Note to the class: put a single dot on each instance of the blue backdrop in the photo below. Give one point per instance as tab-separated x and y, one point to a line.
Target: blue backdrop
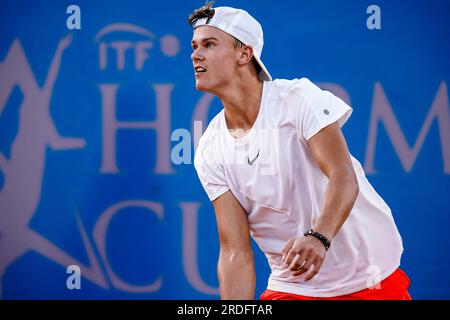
87	115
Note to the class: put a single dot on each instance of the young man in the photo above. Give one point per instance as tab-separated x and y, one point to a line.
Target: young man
275	165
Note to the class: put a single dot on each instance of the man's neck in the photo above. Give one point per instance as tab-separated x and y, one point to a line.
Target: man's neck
242	103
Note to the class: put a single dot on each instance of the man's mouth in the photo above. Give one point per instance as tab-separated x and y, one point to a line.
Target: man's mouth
199	69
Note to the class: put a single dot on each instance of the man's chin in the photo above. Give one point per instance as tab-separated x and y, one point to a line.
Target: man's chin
201	87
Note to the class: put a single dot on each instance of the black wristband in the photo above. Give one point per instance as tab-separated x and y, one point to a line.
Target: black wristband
321	237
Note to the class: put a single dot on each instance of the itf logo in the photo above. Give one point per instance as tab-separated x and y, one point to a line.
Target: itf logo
169	45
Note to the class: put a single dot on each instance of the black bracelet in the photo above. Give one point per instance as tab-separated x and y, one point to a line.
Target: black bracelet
319	236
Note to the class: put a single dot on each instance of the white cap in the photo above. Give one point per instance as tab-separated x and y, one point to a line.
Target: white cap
241	25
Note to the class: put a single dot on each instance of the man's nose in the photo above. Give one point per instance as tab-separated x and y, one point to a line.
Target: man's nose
196	56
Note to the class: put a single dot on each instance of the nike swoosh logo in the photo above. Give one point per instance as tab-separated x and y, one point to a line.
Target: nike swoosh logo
251	162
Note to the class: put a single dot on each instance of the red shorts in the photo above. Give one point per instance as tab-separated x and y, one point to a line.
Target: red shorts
394	287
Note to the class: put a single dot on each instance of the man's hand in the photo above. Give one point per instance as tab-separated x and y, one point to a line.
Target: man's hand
300	254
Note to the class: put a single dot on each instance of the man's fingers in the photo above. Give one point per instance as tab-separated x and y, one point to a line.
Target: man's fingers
287	246
294	263
288	253
300	270
304	269
315	270
307	265
288	257
300	258
302	264
311	274
300	261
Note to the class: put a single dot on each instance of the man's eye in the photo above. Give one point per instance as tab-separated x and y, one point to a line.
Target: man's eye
209	44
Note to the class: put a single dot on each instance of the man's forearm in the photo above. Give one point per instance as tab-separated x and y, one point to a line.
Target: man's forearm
340	196
236	273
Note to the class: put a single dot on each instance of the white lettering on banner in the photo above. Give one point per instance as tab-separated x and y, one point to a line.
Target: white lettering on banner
74	20
374	20
189	241
100	232
111	125
121	46
181	152
140	53
169	45
382	112
74	280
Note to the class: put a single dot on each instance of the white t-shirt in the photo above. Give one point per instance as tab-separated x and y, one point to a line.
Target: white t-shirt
273	175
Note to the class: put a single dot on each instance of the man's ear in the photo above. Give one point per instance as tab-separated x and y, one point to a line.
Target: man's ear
245	55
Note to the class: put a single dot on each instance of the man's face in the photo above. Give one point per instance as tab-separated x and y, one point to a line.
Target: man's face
214	58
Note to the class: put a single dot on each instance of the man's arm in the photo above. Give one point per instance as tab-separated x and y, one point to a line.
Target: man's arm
235	269
330	151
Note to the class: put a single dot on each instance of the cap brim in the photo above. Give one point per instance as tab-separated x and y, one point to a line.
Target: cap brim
264	74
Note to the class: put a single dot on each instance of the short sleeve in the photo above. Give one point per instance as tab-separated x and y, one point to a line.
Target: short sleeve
210	172
318	109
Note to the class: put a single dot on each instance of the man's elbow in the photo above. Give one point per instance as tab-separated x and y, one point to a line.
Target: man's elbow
347	182
353	184
236	255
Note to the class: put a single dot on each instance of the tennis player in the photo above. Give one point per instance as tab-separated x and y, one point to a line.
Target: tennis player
276	166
